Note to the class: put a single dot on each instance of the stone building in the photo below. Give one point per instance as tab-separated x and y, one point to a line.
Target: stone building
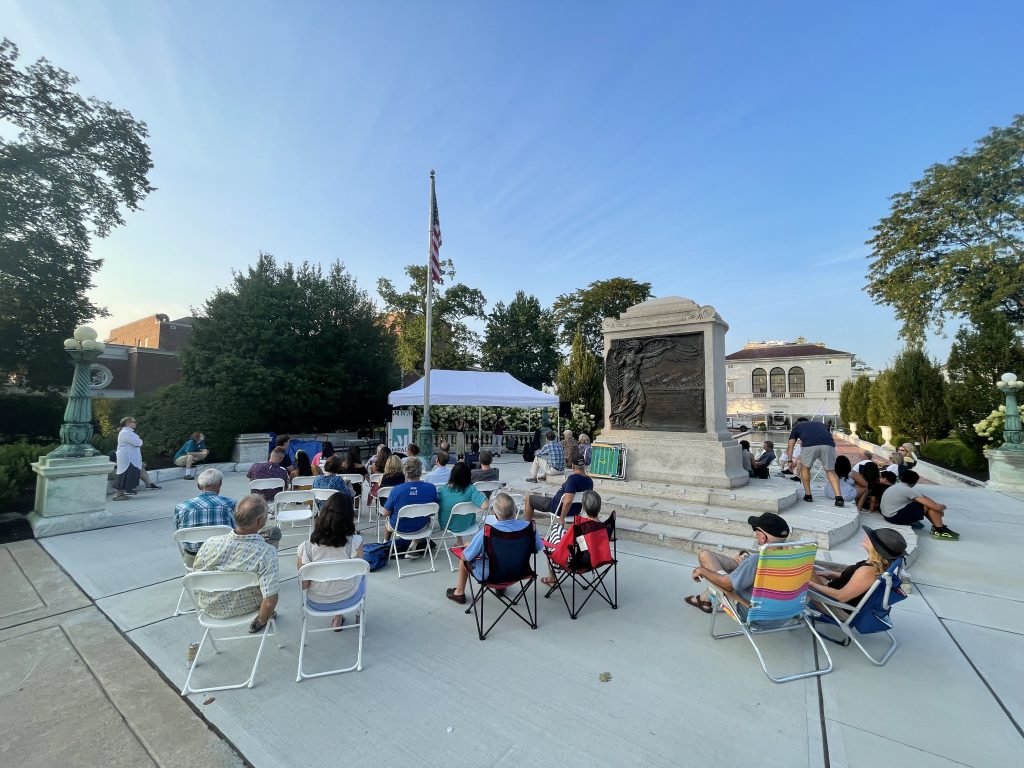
780	380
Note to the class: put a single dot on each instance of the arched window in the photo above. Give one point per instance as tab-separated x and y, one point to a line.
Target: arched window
778	381
796	381
759	382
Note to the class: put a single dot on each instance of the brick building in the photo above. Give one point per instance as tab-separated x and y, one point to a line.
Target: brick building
141	356
154	332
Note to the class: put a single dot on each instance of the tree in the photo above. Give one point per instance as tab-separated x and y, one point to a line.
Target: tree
580	379
880	401
845	412
64	178
299	349
583	311
981	353
521	340
917	396
954	243
453	343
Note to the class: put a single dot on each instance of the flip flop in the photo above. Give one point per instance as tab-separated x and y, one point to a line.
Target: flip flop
696	602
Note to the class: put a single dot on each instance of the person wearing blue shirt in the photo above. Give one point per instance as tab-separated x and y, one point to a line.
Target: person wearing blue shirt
564	504
505	511
412	491
192	452
817	444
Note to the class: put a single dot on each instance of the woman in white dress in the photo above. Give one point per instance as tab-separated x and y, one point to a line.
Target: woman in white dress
129	459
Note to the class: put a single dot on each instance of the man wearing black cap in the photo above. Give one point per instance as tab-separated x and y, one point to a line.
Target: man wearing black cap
739	571
561	505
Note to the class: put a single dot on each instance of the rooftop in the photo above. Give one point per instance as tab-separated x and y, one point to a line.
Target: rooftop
775	350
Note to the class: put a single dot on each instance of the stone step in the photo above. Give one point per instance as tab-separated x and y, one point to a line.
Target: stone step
772	495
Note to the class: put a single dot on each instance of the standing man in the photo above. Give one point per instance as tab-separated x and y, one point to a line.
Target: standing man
817	444
498	436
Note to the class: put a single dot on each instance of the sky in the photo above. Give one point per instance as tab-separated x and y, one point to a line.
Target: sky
737	154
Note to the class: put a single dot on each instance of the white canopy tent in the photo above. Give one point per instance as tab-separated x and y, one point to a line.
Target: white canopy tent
477	388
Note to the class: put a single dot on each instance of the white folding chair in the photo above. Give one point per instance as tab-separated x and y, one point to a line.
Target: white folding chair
422	534
320	495
196	535
332	570
209	582
267	484
295	507
520	500
461	522
353	479
378	506
304	483
487	487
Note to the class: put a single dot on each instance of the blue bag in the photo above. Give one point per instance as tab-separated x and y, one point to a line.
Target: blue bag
376	555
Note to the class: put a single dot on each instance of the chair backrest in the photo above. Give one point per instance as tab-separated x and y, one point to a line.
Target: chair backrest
520	500
487	486
383	493
509	553
218	581
302	483
323	494
781	582
376	477
267	484
351	477
463	516
334	570
872	612
294	497
418	510
199	534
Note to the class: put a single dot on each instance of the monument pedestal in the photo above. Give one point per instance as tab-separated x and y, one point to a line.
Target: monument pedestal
697	460
251	447
1005	470
71	495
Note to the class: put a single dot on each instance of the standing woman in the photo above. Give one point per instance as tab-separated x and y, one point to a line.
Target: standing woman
129	459
460	437
498	436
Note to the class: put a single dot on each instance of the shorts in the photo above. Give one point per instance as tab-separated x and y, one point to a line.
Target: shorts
912	513
181	460
826	454
540	503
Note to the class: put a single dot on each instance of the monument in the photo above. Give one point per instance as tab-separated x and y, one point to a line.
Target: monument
665	394
1006	463
71	481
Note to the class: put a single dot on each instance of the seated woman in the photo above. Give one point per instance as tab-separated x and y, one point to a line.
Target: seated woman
303	467
331	477
380	459
459	488
472	458
883	546
393	474
334	537
865	480
747	465
896	463
847	486
590	504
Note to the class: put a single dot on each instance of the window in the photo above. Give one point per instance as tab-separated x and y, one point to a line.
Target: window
796	381
759	382
830	385
730	386
778	381
828	362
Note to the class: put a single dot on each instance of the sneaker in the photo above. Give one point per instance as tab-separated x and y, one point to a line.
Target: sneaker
808	497
945	534
795	479
531	479
840	502
153	487
786	472
917	526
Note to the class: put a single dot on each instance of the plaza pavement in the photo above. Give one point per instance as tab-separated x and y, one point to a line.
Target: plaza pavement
432	694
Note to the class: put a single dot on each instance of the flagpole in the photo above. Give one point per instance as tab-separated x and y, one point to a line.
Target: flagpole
425	434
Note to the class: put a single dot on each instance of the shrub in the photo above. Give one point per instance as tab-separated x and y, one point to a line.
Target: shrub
954	453
170	415
16	473
31	417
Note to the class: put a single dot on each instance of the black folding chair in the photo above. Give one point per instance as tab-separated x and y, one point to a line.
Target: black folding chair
584	557
511	560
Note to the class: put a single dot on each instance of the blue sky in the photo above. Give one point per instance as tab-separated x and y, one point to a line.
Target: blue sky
734	153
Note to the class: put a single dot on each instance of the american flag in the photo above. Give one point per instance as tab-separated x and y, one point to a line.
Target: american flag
435	239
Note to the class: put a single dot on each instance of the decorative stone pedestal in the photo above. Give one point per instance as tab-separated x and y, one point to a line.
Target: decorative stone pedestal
1005	470
251	447
665	394
71	495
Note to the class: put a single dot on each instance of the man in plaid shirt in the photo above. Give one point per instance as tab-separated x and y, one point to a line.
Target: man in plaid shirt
208	508
550	459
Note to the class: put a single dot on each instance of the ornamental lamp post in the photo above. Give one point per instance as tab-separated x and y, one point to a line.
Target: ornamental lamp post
1009	385
76	430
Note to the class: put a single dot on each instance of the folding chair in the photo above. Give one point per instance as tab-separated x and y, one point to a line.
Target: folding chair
461	522
295	507
423	534
332	570
196	535
520	501
869	616
511	559
209	582
267	484
378	506
359	502
487	487
320	495
304	483
584	557
777	602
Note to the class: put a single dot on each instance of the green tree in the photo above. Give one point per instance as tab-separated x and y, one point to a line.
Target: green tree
917	396
845	412
65	175
981	353
881	401
520	339
580	379
583	311
954	243
453	343
297	348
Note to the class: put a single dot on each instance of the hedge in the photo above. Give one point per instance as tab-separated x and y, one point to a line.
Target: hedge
31	417
16	474
954	452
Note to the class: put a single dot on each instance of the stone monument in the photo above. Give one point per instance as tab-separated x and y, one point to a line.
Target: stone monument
71	481
1006	463
665	394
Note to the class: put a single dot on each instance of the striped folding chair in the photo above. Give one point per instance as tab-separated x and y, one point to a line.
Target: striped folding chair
777	602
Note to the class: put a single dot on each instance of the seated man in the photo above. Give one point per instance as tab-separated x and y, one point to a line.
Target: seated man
273	468
486	471
445	447
412	491
736	574
442	471
193	452
561	504
210	508
414	451
505	511
903	505
548	460
472	458
759	466
244	549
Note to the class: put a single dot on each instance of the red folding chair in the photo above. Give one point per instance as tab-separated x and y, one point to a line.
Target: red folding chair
584	557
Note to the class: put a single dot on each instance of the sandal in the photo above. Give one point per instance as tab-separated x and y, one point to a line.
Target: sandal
696	602
121	497
549	582
340	622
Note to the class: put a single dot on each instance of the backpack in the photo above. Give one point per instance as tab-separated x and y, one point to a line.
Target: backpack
528	451
376	555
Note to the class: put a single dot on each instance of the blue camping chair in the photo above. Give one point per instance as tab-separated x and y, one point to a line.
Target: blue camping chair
870	616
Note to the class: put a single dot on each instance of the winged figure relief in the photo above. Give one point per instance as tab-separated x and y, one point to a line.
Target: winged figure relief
626	362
